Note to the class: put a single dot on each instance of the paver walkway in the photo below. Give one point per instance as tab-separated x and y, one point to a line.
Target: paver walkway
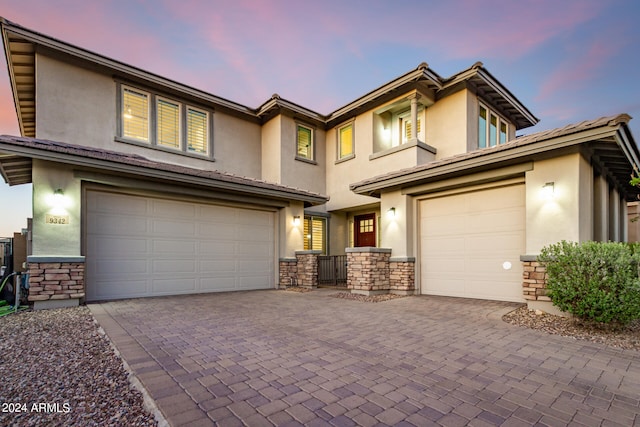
285	358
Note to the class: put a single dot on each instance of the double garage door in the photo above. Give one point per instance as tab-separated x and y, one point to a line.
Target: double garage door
470	244
138	246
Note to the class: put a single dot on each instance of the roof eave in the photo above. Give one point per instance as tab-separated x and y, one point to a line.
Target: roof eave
481	160
148	172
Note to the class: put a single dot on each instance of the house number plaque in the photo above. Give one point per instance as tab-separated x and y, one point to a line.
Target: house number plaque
57	219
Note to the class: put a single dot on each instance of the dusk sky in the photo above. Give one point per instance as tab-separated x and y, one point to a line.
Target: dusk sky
566	60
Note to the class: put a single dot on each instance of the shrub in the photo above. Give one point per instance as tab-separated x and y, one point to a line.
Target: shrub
594	281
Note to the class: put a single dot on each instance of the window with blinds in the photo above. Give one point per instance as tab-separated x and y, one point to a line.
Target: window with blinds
197	131
315	233
135	114
168	123
163	123
304	142
345	141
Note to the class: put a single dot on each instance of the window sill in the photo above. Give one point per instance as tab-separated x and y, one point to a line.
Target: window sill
346	158
411	144
302	159
163	149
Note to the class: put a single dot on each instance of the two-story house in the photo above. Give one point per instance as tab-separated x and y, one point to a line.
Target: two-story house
144	186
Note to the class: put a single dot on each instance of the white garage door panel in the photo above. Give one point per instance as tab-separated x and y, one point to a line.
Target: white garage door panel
138	247
465	240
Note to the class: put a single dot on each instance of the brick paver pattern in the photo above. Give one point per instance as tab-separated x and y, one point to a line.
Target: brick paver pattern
282	358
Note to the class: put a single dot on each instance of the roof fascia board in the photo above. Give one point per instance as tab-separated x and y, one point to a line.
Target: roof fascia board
113	64
495	85
483	160
476	178
161	174
627	147
137	184
279	103
371	96
12	78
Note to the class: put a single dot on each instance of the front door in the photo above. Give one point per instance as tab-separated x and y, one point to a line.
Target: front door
365	230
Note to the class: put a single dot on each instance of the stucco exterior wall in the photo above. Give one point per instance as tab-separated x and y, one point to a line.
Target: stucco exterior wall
271	150
566	216
299	173
78	106
397	231
447	124
55	238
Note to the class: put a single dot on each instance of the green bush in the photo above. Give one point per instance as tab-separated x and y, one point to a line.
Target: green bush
594	281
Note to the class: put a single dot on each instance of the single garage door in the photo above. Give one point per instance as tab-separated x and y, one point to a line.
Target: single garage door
470	244
138	246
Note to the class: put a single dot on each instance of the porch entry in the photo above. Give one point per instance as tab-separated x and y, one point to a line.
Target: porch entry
365	230
332	270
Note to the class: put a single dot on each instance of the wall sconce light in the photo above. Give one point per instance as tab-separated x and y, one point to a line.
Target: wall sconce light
548	191
391	213
58	197
296	220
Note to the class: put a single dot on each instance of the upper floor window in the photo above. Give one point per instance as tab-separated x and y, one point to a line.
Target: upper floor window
163	123
345	141
492	129
406	128
304	142
135	114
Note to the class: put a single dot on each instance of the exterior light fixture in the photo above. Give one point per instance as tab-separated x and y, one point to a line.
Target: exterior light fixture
548	191
296	220
58	199
391	213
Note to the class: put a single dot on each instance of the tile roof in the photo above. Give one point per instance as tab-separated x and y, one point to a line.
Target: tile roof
135	160
517	142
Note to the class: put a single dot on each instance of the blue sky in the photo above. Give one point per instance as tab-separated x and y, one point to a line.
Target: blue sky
566	60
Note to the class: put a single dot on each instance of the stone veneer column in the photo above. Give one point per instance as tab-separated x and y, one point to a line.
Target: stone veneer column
288	271
368	270
402	275
534	279
55	282
307	268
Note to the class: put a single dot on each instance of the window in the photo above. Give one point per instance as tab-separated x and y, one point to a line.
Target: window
135	114
492	129
168	125
315	233
345	141
197	134
304	142
406	129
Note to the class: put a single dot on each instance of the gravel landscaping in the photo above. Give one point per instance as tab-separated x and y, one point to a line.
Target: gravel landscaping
627	337
57	369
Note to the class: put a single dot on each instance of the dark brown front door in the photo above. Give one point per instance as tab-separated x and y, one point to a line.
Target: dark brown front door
365	230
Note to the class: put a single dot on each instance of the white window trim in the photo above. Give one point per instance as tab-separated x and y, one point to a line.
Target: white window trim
208	130
312	158
340	159
501	120
149	114
152	123
159	98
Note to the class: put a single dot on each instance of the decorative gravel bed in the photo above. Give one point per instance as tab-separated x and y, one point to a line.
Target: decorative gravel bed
57	369
627	337
366	298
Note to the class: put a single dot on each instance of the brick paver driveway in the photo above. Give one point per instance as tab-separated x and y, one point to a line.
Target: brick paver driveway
285	358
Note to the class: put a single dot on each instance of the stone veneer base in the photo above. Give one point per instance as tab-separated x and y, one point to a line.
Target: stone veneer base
398	292
369	293
56	303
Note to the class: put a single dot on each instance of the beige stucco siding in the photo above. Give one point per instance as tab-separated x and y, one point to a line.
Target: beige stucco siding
569	214
447	124
78	106
51	238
